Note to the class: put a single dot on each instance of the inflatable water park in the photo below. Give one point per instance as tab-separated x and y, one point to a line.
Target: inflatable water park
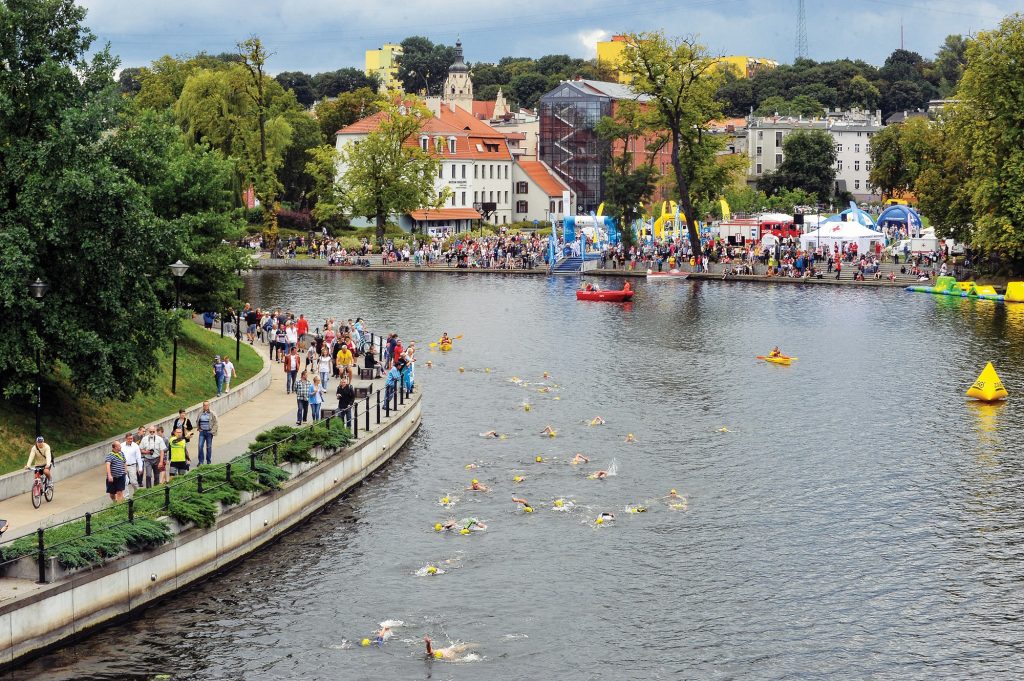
949	286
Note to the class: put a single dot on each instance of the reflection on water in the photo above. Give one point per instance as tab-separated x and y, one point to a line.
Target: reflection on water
851	515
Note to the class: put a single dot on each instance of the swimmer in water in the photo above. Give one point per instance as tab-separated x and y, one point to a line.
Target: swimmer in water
598	475
548	430
579	458
524	502
451	652
477	486
489	434
597	421
471	466
606	517
630	438
381	635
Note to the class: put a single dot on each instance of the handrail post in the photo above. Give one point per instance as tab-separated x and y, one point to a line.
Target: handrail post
252	461
275	453
131	510
378	407
199	483
353	418
41	558
328	422
367	411
227	472
167	496
387	406
88	524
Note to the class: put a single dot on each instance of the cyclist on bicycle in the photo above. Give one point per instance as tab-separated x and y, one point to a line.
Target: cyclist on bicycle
40	457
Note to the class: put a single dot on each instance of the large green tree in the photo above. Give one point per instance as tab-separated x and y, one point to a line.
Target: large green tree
900	153
71	213
808	163
679	80
346	109
631	176
424	65
333	83
384	176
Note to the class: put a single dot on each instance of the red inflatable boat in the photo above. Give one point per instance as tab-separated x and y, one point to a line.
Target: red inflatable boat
606	296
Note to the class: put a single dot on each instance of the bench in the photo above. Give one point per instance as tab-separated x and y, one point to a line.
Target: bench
366	374
362	392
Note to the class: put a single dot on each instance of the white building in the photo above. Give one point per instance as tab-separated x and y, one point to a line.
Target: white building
851	132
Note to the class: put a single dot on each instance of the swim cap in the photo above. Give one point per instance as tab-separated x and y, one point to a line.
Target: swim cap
437	527
528	509
518	478
539	459
672	492
365	642
487	370
475	481
551	434
438	654
599	521
431	570
464	530
461	369
559	503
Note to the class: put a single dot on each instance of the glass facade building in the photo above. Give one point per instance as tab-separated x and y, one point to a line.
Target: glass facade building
568	139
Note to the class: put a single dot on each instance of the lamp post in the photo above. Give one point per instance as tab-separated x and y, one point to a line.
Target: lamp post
178	270
38	289
238	323
426	85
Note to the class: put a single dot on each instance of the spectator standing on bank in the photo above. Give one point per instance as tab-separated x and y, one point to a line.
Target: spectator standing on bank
316	397
133	463
184	424
207	424
179	458
218	374
292	364
153	448
291	337
281	336
346	396
165	469
208	319
229	373
302	326
115	467
302	387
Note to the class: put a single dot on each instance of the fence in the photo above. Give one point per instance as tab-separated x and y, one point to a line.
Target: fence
203	482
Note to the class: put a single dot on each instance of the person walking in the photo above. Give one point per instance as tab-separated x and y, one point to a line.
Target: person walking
291	337
179	458
281	336
165	469
229	373
302	387
184	424
218	374
133	464
207	424
346	396
323	366
316	397
115	468
152	447
292	364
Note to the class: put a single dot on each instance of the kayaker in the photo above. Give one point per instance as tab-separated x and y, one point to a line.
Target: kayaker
775	352
588	287
627	287
445	340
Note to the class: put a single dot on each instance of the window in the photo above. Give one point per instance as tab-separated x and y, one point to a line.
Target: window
856	184
463	171
492	171
504	219
856	165
463	197
439	144
475	197
759	151
551	207
474	171
453	199
859	134
506	196
522	188
453	171
856	148
778	160
521	207
440	195
867	148
492	197
839	165
867	166
758	169
440	172
760	134
451	145
424	141
778	138
839	148
506	172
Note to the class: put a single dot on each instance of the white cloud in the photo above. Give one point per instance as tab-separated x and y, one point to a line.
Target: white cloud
589	39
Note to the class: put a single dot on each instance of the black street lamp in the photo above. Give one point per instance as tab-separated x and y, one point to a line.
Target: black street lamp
38	289
238	323
178	270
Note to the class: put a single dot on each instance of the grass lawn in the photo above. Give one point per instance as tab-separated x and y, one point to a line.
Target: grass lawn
70	421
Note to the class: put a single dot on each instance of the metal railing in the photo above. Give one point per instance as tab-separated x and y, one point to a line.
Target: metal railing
394	398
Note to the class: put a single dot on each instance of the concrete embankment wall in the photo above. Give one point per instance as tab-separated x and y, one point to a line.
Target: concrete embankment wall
90	457
86	599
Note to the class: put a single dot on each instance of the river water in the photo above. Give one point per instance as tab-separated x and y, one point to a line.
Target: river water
856	517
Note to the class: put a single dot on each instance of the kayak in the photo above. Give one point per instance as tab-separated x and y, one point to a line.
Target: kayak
445	347
605	296
782	359
671	274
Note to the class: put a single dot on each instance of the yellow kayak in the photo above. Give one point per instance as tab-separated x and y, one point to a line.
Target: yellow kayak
445	347
781	359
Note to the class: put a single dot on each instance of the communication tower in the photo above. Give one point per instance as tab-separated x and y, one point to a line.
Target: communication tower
801	30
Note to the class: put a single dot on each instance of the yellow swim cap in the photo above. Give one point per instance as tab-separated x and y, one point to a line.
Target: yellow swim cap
599	521
551	433
539	459
445	500
464	530
462	369
365	642
438	654
431	570
475	481
518	478
526	407
559	503
438	527
528	509
487	370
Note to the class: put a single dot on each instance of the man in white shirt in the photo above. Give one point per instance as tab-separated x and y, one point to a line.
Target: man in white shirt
291	334
229	373
153	451
133	461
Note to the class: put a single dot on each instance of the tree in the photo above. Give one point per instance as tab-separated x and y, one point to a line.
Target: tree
808	163
899	153
305	137
384	176
527	89
628	183
346	109
300	84
903	95
680	78
982	153
71	215
861	94
950	62
128	81
736	94
801	105
424	64
333	83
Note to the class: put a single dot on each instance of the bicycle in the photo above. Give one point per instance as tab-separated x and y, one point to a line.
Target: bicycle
41	487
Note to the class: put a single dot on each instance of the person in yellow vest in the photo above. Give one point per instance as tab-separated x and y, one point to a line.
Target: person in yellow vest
179	453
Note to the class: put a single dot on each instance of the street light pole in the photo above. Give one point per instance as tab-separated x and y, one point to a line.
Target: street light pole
38	289
178	270
238	324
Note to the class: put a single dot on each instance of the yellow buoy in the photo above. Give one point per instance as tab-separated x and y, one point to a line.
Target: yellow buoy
526	407
365	642
988	387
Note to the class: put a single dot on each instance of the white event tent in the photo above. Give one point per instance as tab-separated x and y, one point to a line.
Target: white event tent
842	233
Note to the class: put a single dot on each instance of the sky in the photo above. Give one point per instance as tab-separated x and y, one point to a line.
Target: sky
314	36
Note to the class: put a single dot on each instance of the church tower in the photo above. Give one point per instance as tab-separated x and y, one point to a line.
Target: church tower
458	87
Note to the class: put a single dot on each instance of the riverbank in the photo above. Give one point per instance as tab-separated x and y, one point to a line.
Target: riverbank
71	422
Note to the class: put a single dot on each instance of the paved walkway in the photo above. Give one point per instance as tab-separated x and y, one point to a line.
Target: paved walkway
85	492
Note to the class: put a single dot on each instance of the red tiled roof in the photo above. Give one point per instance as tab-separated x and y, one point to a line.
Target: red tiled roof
483	110
364	125
515	135
471	136
446	214
544	178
